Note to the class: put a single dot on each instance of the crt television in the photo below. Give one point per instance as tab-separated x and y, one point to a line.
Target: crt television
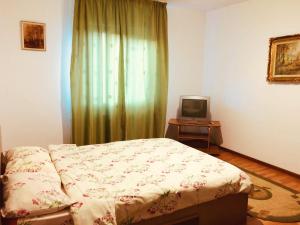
194	107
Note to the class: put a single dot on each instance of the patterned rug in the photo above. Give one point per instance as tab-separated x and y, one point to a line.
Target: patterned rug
272	201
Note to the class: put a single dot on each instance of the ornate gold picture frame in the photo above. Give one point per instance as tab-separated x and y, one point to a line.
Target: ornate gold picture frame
33	36
284	59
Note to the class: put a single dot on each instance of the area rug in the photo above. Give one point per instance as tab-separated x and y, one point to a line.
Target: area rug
272	201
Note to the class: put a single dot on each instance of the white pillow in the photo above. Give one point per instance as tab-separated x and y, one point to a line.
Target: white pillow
31	184
32	194
31	159
62	147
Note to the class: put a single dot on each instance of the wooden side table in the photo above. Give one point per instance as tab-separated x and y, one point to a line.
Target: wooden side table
186	136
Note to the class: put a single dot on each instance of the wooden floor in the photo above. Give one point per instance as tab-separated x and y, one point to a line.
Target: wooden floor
274	174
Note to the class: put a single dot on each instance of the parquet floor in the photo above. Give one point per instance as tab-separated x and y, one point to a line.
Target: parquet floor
276	175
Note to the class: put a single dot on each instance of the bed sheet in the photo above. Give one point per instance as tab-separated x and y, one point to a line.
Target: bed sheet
129	181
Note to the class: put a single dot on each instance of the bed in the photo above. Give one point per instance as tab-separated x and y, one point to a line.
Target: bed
140	182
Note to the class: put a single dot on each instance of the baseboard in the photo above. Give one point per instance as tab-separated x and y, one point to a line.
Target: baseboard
261	162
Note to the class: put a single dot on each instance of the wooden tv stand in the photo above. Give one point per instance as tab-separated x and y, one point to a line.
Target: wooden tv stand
186	136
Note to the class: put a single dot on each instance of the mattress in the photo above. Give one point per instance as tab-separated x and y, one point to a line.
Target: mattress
130	181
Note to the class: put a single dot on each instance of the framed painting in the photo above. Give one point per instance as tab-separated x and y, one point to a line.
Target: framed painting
284	59
33	36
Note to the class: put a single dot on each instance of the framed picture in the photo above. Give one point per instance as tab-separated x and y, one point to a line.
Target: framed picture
284	59
33	36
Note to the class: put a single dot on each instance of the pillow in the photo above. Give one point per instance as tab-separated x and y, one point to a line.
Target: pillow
24	151
31	184
60	151
32	194
29	159
62	147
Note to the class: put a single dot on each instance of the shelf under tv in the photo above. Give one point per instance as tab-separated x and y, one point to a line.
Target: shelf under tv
188	136
192	136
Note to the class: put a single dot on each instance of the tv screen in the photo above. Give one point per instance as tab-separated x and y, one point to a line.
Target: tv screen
196	108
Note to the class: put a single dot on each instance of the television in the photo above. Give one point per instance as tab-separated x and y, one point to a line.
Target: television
194	107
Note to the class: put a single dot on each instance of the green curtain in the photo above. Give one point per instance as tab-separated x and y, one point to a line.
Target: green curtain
119	70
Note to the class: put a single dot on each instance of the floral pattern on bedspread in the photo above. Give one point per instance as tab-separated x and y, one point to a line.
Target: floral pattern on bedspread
129	181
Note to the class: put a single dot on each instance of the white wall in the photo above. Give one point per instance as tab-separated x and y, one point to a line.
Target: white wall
186	34
34	86
258	119
30	81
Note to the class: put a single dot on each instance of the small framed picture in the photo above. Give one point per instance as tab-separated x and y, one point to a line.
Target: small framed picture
284	59
33	36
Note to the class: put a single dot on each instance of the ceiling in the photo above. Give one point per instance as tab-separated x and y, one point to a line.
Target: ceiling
203	4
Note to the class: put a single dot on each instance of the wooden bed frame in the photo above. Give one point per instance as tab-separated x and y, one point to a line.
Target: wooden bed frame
228	210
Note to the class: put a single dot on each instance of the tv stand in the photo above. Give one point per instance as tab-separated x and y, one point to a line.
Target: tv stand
187	136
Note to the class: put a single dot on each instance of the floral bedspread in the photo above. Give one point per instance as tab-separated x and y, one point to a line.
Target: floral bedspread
129	181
